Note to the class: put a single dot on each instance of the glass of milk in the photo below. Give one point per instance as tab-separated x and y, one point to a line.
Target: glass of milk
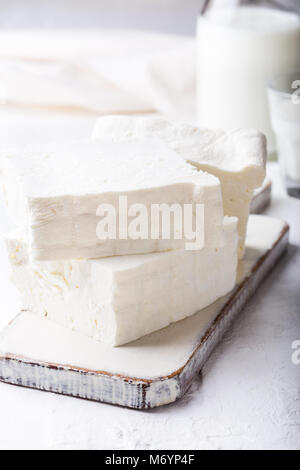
241	45
284	101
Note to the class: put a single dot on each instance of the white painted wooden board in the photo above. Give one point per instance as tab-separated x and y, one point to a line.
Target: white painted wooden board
262	197
150	372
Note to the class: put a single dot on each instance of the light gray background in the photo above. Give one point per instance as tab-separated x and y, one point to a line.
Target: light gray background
172	16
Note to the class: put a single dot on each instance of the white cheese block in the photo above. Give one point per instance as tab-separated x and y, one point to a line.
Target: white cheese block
119	299
236	157
53	193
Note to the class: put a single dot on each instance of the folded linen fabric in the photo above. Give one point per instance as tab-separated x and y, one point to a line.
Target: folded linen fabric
102	71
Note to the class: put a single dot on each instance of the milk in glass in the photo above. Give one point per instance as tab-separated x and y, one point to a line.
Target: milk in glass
238	51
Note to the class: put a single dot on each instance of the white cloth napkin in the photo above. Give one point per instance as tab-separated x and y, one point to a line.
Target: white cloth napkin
100	71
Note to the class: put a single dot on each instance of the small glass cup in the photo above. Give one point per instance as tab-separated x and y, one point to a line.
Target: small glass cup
284	103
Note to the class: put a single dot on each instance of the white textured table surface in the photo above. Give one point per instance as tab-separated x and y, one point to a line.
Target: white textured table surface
248	396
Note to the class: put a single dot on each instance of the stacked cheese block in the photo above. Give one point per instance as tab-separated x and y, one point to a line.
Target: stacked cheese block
118	289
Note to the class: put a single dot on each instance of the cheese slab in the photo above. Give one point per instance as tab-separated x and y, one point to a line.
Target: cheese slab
236	157
54	194
119	299
150	372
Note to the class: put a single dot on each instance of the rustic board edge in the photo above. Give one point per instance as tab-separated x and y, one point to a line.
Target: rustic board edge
261	199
